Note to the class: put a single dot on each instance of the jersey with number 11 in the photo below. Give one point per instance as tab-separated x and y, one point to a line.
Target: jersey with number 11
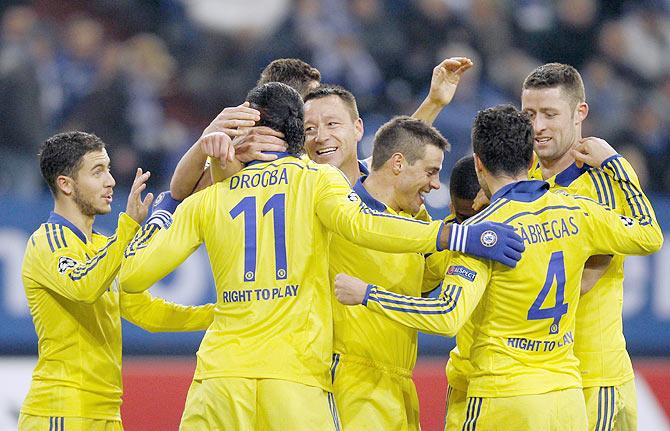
267	231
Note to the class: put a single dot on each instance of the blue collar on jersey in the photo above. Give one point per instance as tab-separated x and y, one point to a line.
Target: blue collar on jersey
367	197
571	173
523	191
59	219
279	154
363	167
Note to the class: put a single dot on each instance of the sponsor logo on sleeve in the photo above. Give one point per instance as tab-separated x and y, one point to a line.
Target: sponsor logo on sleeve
65	263
462	271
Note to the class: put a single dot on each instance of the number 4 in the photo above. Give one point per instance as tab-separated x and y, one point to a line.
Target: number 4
556	271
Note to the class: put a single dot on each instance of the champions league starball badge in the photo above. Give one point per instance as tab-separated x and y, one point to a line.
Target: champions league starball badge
489	238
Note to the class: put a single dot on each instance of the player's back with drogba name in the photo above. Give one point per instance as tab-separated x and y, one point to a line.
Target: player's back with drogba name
266	230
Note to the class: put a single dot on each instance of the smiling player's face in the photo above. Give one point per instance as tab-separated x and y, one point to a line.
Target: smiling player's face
331	134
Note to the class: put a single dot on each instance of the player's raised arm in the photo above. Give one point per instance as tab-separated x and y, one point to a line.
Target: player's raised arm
82	278
443	84
191	173
462	288
158	315
617	234
145	265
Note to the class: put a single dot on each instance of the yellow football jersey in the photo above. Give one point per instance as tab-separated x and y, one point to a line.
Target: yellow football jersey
267	230
599	341
524	323
72	291
362	334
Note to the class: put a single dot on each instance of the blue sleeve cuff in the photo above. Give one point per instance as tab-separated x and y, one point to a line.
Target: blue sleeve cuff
367	294
439	234
609	159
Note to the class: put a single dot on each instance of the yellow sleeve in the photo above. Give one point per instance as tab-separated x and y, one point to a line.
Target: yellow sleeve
67	273
626	196
462	288
340	209
158	315
434	269
167	248
618	234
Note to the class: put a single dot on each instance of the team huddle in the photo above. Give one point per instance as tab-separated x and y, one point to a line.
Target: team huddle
324	266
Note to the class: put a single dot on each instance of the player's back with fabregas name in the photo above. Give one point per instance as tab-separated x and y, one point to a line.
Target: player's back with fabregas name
525	321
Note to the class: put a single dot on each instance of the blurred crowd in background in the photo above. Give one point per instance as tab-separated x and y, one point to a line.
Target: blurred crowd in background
148	75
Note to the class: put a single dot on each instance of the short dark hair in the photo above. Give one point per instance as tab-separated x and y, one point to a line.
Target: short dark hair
463	183
345	95
281	109
502	137
290	71
62	154
405	135
552	75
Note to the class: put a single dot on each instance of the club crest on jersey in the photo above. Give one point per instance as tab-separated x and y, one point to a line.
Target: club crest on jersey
462	271
627	221
65	263
489	238
159	199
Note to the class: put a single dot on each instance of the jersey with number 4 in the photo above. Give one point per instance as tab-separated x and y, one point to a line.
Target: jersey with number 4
600	345
267	231
523	318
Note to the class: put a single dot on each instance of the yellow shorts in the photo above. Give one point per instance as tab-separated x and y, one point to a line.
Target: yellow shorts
457	401
612	407
554	411
257	404
59	423
371	396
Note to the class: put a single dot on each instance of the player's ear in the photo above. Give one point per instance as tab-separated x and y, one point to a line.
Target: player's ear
360	130
398	162
479	166
581	112
65	184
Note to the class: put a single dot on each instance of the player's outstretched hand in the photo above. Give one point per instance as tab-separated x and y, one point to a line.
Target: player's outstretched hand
164	206
218	145
490	240
446	77
138	208
233	120
256	144
592	151
349	290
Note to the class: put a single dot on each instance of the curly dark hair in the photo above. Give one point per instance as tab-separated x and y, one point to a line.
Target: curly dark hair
405	135
561	75
62	154
502	137
293	72
463	182
345	95
281	109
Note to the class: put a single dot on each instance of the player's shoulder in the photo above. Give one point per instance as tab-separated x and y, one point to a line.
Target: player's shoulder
57	234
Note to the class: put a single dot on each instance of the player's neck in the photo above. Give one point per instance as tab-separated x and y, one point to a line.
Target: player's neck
351	170
553	167
381	189
69	210
497	182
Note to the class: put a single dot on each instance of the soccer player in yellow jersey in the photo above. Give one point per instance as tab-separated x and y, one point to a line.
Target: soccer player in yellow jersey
373	356
69	273
525	374
463	188
553	95
264	362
